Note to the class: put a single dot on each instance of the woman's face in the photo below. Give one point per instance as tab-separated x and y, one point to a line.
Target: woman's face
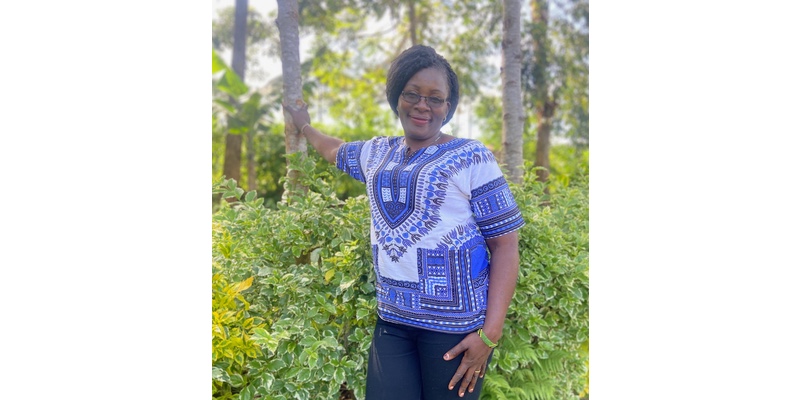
421	121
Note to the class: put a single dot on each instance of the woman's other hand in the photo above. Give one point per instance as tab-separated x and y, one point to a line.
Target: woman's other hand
473	364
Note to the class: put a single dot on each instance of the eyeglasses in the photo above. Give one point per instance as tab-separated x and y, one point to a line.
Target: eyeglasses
414	98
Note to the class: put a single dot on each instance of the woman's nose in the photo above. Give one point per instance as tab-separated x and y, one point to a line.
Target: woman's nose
421	99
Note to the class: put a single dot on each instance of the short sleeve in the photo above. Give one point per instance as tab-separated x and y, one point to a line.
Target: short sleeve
493	205
349	160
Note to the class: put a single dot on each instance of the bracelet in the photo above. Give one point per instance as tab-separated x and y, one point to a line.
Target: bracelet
302	130
486	339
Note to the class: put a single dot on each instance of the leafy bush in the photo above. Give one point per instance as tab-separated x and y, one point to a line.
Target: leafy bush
312	287
294	302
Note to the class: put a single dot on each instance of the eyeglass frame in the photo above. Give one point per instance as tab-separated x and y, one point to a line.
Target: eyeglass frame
427	99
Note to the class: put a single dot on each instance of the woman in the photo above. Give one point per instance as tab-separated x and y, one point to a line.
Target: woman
440	210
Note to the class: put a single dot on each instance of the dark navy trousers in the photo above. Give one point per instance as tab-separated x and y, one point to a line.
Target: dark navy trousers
406	363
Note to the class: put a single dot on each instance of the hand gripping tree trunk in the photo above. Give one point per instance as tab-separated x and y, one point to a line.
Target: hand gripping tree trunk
233	143
513	116
289	30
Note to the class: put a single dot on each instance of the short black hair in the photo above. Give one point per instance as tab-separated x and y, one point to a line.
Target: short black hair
411	61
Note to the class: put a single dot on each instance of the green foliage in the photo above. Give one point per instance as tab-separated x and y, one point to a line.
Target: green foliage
294	301
227	81
270	149
353	97
232	329
567	163
489	113
312	285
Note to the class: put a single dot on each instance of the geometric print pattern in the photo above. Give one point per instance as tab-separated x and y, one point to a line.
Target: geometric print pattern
431	212
495	209
451	293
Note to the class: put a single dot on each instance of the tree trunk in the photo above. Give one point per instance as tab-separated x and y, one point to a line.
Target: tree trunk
233	157
251	160
240	38
289	30
233	143
412	22
543	142
513	115
544	103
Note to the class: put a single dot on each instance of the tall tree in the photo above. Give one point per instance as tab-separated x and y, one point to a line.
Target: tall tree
544	99
233	143
412	22
513	115
289	30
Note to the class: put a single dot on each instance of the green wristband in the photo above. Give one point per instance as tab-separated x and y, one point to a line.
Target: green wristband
486	339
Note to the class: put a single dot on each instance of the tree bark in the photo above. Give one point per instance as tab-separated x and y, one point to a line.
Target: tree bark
289	31
545	104
233	143
511	70
543	142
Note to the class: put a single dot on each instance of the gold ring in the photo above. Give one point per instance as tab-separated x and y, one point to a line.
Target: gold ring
477	372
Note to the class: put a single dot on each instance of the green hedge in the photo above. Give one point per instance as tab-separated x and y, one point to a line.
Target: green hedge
294	302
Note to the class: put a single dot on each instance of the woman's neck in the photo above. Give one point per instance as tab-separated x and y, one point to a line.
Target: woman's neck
415	145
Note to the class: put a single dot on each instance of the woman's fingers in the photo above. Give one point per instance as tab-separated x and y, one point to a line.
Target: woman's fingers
469	381
468	376
476	375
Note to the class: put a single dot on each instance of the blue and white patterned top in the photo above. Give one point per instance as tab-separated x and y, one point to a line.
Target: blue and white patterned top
431	213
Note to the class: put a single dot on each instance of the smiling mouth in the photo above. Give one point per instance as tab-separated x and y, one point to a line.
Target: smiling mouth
418	120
